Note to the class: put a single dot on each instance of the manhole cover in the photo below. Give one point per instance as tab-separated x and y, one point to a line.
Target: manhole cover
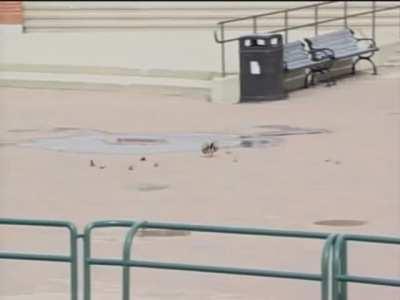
343	223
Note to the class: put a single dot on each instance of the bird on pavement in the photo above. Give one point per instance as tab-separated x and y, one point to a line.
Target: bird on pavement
209	149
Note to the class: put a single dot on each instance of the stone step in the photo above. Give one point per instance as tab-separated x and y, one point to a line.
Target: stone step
78	15
92	81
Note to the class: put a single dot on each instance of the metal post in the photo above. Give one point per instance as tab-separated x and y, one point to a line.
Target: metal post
345	13
86	268
326	268
74	261
316	20
254	24
373	18
126	256
343	267
286	18
223	50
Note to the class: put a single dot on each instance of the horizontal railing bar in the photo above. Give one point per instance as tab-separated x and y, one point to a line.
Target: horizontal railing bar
37	257
110	223
275	12
236	230
369	280
27	222
371	239
206	269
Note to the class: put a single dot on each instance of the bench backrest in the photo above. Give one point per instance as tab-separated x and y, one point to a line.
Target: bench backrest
340	42
295	55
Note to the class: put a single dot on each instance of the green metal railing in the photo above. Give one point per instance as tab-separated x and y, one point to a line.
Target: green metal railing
333	274
341	278
72	258
286	13
126	263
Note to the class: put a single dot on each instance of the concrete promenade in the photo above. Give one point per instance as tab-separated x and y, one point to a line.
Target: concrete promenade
351	171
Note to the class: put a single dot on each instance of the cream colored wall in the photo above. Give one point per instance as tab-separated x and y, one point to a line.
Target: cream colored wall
146	35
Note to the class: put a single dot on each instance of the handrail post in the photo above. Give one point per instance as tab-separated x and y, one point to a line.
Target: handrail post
339	289
326	266
345	13
254	24
316	20
373	18
74	261
86	268
286	18
223	50
126	256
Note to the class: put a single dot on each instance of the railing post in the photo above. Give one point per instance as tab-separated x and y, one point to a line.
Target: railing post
74	261
254	24
86	267
326	266
223	50
345	13
339	289
126	256
286	18
373	19
316	20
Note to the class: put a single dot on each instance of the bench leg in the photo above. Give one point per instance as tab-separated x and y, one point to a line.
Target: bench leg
375	69
309	79
329	79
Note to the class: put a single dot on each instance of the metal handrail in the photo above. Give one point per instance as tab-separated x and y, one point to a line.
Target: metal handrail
127	263
288	28
341	277
333	273
286	10
72	258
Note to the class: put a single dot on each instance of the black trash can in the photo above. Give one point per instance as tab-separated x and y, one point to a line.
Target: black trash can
261	68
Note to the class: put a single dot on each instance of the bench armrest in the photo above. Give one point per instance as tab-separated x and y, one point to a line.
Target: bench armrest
372	42
319	54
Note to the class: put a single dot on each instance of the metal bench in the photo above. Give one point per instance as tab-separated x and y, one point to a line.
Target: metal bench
296	57
345	45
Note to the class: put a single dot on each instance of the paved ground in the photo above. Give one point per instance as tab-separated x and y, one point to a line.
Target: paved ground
350	172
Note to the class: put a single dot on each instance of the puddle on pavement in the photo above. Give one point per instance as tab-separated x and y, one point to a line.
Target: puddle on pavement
95	141
162	233
150	187
285	130
22	130
343	223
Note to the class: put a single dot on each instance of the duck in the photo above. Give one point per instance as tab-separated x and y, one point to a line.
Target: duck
209	149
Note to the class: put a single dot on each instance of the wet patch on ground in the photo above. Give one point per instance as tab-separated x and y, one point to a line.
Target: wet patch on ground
150	187
162	233
96	141
285	130
341	222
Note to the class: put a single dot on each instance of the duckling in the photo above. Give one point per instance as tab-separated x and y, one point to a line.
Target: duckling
209	149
